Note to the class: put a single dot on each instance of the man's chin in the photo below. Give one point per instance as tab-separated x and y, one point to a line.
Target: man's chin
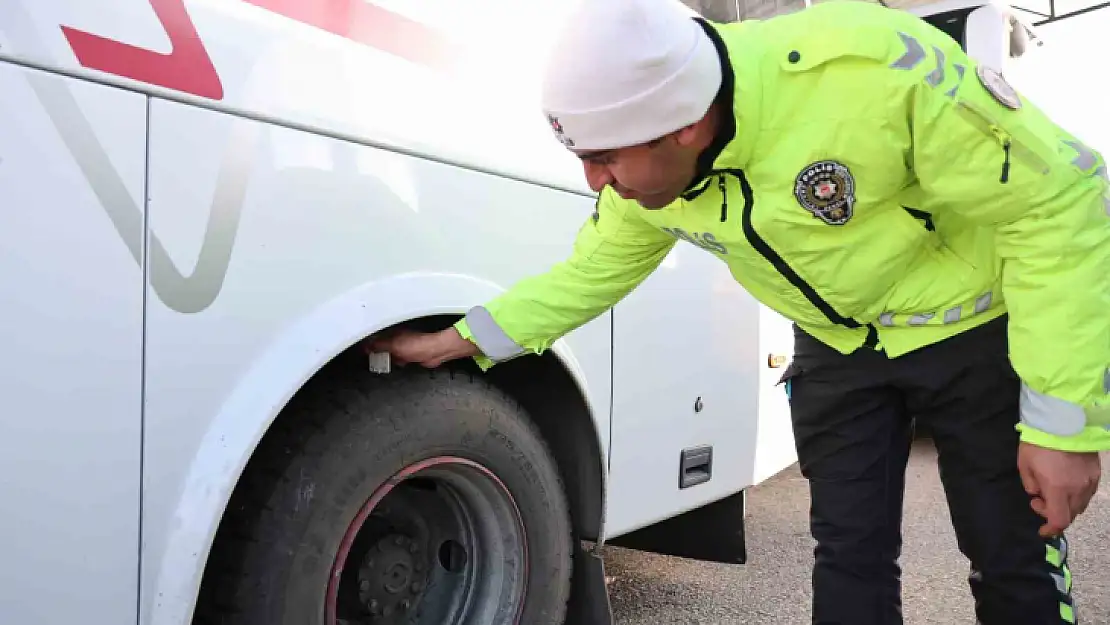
655	202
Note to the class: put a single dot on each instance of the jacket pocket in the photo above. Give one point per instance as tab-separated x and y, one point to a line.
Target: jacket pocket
1011	147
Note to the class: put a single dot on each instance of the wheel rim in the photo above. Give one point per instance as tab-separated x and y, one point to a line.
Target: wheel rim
441	542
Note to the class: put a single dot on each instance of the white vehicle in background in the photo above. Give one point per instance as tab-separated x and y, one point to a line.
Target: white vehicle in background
207	205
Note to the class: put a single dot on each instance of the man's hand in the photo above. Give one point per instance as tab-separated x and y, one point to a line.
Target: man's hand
428	350
1061	484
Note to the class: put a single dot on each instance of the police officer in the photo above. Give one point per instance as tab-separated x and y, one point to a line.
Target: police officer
941	245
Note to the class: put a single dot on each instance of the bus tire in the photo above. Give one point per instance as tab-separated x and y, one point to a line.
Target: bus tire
424	498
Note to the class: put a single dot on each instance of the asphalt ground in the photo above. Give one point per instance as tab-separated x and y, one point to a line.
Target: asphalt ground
773	587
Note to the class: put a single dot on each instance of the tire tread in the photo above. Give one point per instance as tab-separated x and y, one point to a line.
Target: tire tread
324	417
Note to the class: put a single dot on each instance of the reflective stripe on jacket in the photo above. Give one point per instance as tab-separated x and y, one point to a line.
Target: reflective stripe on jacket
879	189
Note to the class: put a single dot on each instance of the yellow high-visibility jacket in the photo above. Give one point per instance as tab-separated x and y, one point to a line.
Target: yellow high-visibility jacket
876	186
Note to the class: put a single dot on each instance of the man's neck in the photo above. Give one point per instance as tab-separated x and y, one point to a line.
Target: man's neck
713	122
711	144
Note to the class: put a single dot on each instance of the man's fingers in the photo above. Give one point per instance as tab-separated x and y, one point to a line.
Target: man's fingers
1079	505
1055	507
1039	506
1082	499
1092	487
380	343
1060	484
1028	479
1057	513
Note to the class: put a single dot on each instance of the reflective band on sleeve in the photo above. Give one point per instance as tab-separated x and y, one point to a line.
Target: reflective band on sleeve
489	336
1051	415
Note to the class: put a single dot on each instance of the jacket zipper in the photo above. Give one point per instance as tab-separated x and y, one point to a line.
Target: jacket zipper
1010	147
765	250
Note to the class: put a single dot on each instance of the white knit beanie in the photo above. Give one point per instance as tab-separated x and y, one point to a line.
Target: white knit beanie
624	72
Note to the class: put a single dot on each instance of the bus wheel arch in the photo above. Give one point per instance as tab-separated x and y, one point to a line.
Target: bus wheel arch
541	386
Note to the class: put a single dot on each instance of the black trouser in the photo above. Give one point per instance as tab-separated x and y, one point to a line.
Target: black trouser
853	421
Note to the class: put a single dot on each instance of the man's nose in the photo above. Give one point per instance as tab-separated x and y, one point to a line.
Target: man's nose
597	176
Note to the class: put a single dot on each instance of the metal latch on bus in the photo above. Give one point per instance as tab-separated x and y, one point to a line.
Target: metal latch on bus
695	466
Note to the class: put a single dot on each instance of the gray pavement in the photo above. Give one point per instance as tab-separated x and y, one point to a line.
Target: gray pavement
774	586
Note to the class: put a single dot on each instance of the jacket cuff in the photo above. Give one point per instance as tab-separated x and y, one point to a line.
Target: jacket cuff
463	329
1051	415
1090	439
495	345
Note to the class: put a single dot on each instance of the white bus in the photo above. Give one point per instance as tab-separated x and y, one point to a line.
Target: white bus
206	206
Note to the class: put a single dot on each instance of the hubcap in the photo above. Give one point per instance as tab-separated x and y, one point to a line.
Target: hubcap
392	577
440	543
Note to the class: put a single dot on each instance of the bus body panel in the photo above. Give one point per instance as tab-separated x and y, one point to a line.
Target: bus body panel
326	242
70	356
334	66
690	371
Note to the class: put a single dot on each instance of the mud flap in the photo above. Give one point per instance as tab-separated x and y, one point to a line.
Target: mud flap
712	533
589	597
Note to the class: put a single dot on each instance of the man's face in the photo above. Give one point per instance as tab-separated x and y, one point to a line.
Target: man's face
653	174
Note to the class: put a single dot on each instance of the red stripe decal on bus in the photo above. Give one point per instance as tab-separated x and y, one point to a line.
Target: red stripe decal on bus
370	25
186	68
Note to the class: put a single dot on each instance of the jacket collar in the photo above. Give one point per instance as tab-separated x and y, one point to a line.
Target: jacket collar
732	147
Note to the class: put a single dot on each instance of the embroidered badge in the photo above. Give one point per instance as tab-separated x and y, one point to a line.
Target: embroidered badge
996	85
828	190
557	128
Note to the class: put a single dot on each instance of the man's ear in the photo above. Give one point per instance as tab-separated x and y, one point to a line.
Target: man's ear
698	134
688	136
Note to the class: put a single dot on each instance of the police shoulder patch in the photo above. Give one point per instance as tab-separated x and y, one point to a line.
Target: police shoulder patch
996	85
827	189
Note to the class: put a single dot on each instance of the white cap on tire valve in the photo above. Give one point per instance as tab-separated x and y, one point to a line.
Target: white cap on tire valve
379	362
